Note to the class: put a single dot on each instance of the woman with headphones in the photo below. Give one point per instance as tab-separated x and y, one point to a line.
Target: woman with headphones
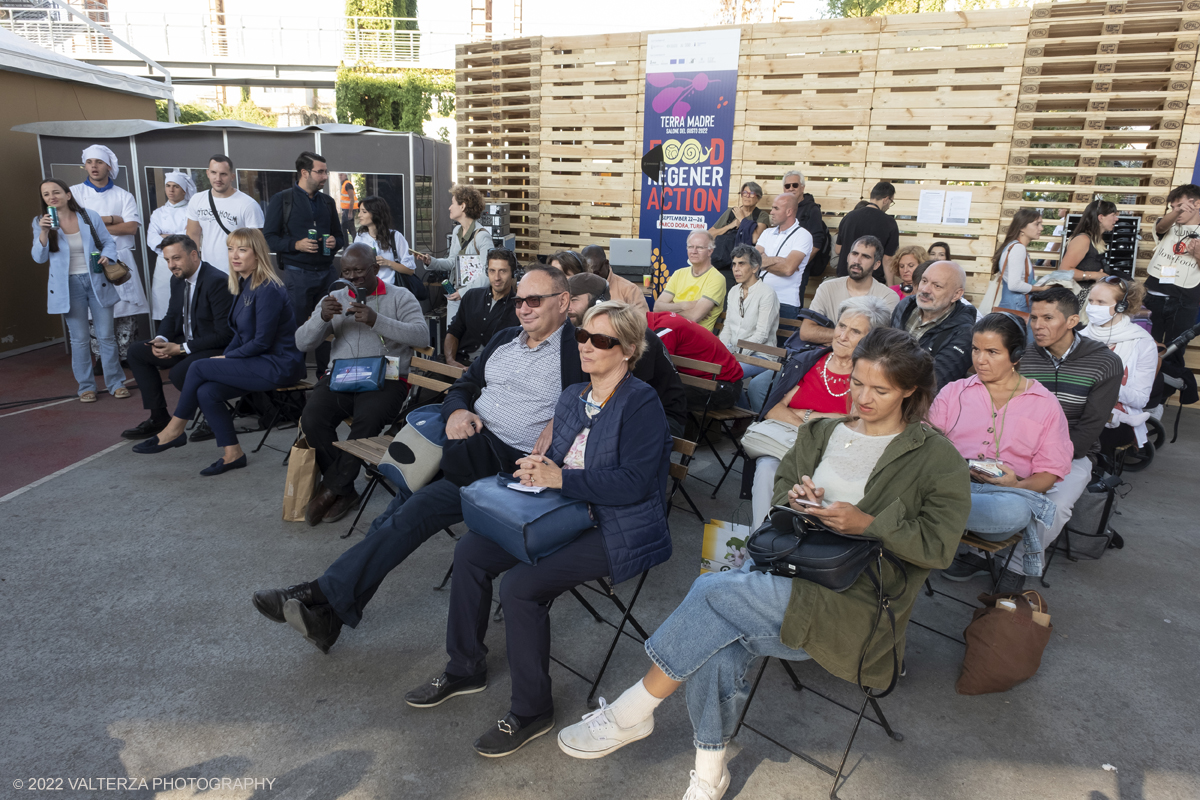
1112	304
1013	433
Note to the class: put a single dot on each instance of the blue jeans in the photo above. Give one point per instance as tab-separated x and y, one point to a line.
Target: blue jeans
787	312
726	621
998	515
82	299
749	372
758	389
410	519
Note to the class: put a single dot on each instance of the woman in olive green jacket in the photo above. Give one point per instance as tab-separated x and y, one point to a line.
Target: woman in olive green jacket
882	472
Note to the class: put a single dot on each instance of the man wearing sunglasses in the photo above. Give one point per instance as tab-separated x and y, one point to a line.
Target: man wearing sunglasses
653	368
499	411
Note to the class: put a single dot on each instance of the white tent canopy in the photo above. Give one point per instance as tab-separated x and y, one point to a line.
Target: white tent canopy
20	55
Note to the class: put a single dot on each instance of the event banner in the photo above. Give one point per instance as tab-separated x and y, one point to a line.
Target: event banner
691	84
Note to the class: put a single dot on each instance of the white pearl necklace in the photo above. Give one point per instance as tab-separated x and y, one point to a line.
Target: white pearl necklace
825	378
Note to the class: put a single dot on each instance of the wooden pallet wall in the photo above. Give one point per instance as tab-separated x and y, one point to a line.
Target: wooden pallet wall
498	97
1104	98
970	100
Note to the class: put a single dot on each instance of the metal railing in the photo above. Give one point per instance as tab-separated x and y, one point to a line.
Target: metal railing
265	39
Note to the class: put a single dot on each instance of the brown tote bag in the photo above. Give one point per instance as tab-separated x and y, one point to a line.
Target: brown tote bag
1004	647
302	476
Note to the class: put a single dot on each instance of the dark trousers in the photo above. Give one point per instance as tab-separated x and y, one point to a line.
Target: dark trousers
306	288
1171	315
145	367
525	593
326	409
410	519
212	381
724	396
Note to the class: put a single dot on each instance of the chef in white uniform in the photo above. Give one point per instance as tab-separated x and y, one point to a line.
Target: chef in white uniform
120	213
170	219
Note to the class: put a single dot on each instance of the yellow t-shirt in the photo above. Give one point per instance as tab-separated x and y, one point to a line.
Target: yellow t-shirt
711	285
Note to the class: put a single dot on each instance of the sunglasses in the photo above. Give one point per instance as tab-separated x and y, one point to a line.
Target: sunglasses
600	341
791	186
534	300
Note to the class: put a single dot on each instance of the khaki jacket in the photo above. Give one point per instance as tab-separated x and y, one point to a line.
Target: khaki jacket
920	496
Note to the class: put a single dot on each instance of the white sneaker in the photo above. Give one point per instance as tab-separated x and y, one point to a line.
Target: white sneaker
700	789
598	734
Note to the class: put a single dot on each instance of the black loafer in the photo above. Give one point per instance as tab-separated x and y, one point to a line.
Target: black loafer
154	446
269	602
319	624
508	735
144	430
220	466
202	433
443	687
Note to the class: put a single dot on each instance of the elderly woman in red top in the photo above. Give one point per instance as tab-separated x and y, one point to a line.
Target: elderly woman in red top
1013	432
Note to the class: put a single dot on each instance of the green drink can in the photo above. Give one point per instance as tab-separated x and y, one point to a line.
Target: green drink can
94	262
53	216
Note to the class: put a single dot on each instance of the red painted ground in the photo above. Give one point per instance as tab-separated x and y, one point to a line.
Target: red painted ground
37	443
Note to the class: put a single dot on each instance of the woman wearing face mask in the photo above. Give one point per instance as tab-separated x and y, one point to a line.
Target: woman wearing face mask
1112	304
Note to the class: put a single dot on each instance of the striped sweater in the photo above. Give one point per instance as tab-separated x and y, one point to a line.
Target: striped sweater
1086	384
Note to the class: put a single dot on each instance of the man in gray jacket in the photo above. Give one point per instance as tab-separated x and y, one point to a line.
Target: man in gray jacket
387	322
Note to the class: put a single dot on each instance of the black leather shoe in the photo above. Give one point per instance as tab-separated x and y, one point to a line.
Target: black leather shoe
154	446
508	735
319	624
219	466
269	602
202	433
443	687
343	505
321	500
144	430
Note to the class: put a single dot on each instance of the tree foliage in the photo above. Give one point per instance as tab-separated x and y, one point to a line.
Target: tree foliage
186	113
868	8
244	111
393	99
382	8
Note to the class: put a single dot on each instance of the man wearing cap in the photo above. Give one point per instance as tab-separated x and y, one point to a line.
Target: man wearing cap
119	210
170	219
654	367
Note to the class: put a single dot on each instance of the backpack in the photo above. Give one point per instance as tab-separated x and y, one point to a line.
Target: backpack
819	262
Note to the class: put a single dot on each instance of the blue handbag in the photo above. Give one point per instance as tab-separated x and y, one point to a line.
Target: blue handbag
357	374
528	526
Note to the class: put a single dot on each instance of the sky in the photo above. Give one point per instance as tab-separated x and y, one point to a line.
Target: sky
448	22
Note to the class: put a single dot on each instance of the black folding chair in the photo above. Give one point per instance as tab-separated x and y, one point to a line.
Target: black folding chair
679	472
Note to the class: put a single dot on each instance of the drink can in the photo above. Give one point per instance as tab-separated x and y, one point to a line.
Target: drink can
448	287
53	216
94	262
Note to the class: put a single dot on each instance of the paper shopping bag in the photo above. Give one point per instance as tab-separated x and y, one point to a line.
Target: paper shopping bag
724	546
301	484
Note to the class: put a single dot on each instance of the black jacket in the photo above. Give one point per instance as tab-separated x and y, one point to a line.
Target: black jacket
655	368
282	234
210	311
464	392
808	213
949	342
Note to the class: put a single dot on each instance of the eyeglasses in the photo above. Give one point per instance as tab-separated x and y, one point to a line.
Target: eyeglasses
534	300
749	194
791	186
600	341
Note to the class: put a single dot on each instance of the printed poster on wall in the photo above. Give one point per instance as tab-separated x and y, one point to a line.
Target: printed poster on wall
691	83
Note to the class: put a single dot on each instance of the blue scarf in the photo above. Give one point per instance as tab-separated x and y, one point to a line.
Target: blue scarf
104	188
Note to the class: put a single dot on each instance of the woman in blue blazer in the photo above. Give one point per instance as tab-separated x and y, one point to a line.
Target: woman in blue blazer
612	448
261	357
74	287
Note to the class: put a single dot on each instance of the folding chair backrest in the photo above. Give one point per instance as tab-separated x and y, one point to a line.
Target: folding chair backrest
686	450
708	384
755	361
451	371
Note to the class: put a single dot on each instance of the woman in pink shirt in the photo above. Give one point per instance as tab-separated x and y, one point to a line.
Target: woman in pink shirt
1001	421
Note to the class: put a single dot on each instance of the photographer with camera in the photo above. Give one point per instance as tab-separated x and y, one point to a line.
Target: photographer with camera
1173	283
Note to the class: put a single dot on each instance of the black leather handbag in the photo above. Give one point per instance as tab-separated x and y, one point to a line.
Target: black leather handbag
795	545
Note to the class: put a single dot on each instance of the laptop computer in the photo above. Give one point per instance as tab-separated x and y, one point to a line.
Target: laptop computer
634	253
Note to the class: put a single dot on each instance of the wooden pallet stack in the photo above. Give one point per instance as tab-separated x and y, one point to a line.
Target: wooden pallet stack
942	116
1103	105
804	102
592	95
498	88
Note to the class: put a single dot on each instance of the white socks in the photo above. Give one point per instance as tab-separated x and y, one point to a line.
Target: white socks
710	765
634	705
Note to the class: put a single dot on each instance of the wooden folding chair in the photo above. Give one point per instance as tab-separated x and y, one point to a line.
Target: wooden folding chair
678	472
990	549
725	417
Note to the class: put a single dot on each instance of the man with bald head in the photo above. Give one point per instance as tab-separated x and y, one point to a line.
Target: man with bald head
786	247
618	288
380	319
938	321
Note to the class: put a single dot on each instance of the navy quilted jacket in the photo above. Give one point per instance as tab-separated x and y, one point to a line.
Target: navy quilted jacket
625	472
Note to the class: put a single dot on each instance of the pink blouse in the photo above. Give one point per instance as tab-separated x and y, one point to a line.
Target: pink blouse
1030	431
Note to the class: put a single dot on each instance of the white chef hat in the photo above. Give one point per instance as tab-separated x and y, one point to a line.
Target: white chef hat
104	154
183	180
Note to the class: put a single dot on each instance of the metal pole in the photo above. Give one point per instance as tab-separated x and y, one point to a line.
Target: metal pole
171	116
